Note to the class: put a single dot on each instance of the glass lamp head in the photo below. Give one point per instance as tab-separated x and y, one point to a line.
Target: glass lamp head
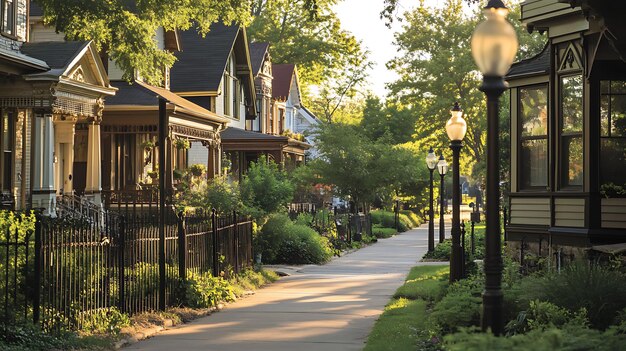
456	127
431	159
442	166
494	42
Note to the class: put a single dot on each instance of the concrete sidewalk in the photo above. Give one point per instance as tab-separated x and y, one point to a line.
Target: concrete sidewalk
329	307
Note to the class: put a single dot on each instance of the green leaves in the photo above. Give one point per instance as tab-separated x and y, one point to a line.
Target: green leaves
126	29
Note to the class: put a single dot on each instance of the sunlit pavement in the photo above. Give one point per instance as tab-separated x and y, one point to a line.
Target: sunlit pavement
329	307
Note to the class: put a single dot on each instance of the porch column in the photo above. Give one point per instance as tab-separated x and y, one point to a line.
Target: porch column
43	178
93	186
211	172
64	131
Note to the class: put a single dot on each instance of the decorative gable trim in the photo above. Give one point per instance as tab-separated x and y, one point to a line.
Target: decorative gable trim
571	61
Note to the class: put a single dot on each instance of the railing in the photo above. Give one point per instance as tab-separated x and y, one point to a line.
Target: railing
71	270
131	199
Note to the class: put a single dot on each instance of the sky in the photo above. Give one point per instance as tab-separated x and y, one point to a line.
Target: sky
362	18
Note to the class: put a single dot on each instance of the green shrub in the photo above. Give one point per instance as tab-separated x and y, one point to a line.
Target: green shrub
544	315
104	321
460	307
282	241
382	232
599	290
204	290
305	219
412	217
387	220
266	188
550	339
441	252
28	337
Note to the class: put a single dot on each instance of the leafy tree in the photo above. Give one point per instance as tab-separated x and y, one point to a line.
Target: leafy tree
389	121
361	168
327	56
266	188
436	69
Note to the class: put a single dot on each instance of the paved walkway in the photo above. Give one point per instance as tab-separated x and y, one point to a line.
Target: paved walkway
329	307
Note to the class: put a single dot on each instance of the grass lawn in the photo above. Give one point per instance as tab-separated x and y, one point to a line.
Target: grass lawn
404	321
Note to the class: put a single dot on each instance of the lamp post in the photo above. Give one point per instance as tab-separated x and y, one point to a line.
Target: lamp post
494	45
442	168
431	163
456	129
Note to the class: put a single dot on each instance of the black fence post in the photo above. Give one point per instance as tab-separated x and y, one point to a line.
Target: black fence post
236	241
463	248
473	243
216	268
122	265
37	277
182	247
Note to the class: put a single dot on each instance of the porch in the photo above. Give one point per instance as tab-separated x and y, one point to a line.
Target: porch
130	146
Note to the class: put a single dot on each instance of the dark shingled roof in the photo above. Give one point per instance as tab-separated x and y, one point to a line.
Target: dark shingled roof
283	75
240	134
57	54
142	94
257	55
35	10
539	64
202	61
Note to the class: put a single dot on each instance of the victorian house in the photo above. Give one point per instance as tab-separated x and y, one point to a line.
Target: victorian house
295	120
51	100
568	129
128	130
222	72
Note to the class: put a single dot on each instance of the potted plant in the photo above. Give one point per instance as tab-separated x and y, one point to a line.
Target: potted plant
182	144
197	170
148	145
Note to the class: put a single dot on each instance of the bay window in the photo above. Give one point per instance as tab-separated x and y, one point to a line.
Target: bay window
533	116
571	132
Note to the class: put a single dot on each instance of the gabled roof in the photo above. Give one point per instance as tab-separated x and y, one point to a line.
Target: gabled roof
537	65
201	63
142	94
283	77
57	54
77	63
258	52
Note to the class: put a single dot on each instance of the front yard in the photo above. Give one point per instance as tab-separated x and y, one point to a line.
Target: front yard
582	307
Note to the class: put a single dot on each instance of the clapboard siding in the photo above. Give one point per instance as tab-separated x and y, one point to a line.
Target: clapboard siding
569	212
532	211
543	9
613	213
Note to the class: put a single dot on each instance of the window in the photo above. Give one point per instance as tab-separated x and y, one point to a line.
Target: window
226	90
7	141
612	136
8	17
236	99
533	119
571	128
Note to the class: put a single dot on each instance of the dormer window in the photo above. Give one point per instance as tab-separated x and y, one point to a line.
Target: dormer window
8	17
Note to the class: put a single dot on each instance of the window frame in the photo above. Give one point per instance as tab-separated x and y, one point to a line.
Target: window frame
562	163
609	136
6	185
12	34
521	138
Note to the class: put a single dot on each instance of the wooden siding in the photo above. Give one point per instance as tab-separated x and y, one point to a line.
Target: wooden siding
538	10
614	213
532	211
569	212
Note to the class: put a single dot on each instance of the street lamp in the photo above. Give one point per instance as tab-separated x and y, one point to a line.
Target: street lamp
494	45
431	163
442	168
456	129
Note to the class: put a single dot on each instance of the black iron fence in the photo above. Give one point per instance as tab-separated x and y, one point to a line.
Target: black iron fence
73	269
